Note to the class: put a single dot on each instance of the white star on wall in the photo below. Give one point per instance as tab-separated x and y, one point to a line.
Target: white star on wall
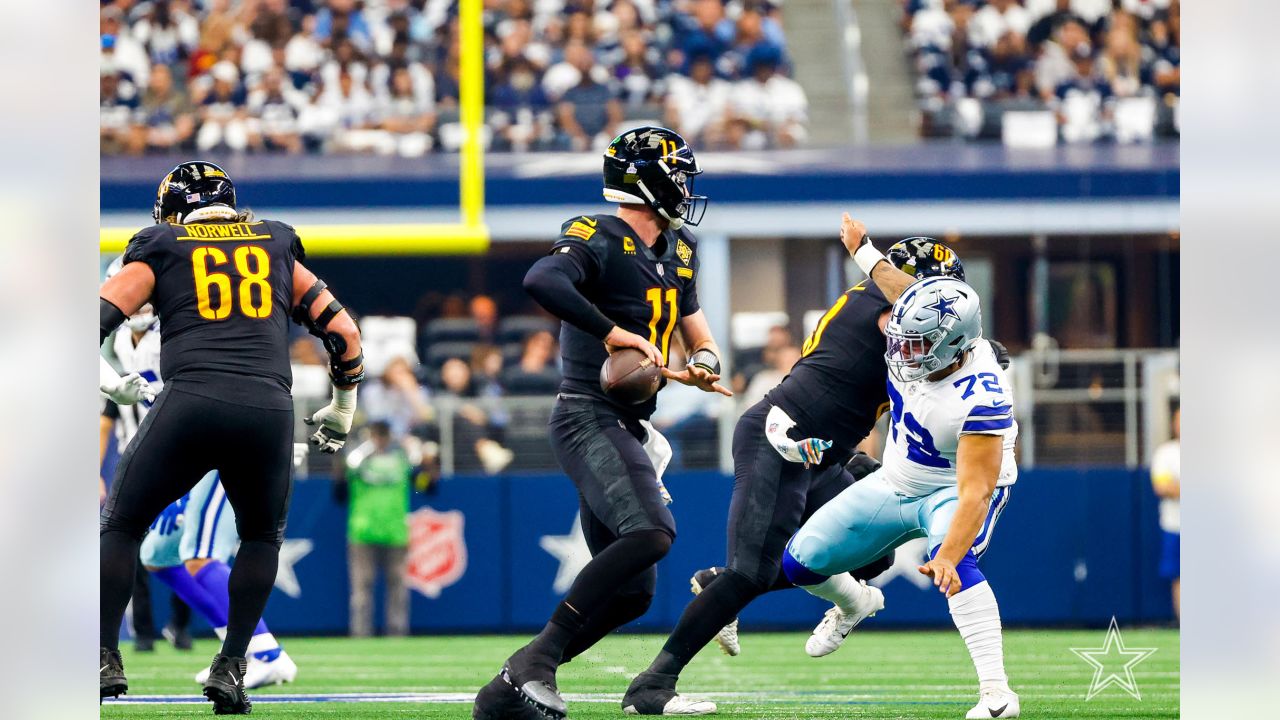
291	552
572	553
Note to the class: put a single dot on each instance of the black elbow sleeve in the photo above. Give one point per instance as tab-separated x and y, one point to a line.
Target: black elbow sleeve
109	318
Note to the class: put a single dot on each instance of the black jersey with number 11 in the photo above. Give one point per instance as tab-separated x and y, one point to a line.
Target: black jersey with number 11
223	292
641	289
837	389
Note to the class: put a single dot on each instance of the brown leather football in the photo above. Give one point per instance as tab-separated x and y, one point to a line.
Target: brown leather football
630	377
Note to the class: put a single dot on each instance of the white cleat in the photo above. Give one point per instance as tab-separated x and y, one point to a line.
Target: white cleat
680	705
835	625
277	671
727	638
1002	703
261	672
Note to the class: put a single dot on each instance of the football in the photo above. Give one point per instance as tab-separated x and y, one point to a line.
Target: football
630	377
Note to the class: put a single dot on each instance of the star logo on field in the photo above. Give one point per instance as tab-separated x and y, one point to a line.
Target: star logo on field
291	552
944	307
571	551
1113	663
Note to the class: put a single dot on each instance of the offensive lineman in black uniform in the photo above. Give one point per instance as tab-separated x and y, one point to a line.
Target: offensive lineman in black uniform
790	452
619	281
224	286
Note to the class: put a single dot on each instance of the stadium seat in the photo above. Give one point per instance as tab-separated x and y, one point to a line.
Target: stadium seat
450	330
516	328
519	382
438	353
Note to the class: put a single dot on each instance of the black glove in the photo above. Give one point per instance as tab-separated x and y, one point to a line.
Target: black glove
1002	354
861	465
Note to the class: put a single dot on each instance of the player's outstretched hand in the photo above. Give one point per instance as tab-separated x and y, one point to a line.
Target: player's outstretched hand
131	389
701	378
334	420
944	575
852	233
619	338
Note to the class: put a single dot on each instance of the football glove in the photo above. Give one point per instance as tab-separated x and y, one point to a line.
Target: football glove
334	420
808	451
127	390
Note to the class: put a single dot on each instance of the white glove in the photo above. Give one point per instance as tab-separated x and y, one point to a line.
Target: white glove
808	451
126	390
334	420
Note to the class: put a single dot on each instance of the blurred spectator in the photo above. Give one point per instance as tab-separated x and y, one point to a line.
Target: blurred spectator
396	398
779	364
767	109
376	489
166	120
484	311
559	76
1083	59
117	101
1166	478
472	425
535	373
697	105
222	113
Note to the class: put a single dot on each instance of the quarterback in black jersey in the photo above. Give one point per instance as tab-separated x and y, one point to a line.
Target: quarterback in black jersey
790	452
624	280
224	286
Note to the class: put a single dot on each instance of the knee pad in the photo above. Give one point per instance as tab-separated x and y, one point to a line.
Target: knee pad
742	585
271	537
797	573
656	542
112	523
966	569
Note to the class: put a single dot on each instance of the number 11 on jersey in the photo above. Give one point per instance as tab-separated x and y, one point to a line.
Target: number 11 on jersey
654	296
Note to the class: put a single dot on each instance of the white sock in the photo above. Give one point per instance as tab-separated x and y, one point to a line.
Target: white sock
840	589
221	632
262	643
977	617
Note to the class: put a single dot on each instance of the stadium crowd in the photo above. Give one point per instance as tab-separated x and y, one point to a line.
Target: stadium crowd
381	76
1104	67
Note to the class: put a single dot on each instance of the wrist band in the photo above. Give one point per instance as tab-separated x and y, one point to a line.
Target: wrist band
706	360
867	256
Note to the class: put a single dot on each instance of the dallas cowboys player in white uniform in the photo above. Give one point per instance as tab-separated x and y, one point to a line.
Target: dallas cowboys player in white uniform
947	472
190	543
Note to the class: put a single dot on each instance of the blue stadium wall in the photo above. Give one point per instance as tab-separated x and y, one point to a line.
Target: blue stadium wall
1075	547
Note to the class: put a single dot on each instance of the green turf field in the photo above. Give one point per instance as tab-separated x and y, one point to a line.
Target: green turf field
875	675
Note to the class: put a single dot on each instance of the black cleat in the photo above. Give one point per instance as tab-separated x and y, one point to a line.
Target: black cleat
111	681
499	701
225	686
655	694
534	678
180	637
144	644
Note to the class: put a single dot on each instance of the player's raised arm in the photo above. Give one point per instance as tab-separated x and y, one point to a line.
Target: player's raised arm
978	460
315	308
121	296
703	367
888	278
553	282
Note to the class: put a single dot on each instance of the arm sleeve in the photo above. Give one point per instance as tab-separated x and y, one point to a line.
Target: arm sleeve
553	281
109	318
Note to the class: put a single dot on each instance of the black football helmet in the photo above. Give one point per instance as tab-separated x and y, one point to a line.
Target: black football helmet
654	166
925	257
189	186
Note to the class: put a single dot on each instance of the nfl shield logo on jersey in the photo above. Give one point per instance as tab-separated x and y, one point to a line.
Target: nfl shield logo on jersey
437	550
